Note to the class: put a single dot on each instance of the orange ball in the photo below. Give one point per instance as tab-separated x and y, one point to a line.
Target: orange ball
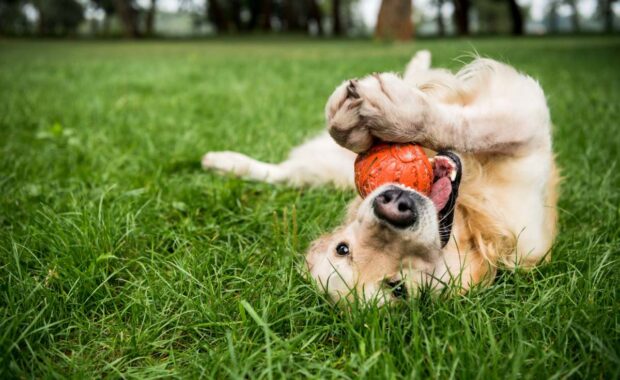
406	164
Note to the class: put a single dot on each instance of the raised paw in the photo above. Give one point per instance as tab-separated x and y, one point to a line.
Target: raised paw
378	106
343	118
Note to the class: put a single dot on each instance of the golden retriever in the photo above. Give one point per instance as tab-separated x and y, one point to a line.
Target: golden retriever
492	129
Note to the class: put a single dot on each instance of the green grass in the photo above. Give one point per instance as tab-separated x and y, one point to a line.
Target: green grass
119	257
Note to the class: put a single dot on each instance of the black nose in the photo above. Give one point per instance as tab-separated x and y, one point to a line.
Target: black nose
396	207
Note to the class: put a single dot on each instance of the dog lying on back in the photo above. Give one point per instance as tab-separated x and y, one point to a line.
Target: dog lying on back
493	129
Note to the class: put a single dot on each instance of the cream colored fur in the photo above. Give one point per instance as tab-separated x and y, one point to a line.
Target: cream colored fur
494	117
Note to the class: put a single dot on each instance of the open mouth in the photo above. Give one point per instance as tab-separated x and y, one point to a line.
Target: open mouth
447	170
398	206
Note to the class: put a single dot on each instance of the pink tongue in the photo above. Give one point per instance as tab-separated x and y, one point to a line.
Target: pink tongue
440	192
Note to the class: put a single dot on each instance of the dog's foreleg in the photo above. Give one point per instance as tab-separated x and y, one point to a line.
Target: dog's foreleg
502	125
506	111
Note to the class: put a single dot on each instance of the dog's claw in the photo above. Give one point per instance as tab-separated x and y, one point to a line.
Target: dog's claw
355	103
352	91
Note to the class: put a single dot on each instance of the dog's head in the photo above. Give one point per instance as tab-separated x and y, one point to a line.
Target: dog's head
390	240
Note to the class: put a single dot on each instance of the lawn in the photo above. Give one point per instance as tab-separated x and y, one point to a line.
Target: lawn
119	257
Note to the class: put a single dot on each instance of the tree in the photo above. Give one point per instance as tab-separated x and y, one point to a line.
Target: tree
288	15
336	20
394	20
441	27
109	8
60	17
266	11
13	21
574	15
294	16
150	18
516	17
461	16
551	18
217	15
127	11
606	12
315	14
235	14
260	14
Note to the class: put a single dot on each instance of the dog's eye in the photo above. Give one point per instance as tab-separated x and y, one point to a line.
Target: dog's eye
398	289
342	249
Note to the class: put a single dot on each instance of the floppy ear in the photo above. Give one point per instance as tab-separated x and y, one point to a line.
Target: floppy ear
444	193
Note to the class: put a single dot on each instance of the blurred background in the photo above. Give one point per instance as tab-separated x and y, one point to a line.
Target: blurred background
383	19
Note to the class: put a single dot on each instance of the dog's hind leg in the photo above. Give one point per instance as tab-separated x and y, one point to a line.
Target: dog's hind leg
316	162
243	166
420	63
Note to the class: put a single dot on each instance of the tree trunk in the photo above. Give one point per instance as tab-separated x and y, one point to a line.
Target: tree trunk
441	27
235	12
314	13
394	20
254	14
260	15
129	18
461	16
94	27
291	16
516	17
265	18
41	27
608	15
106	23
574	16
150	18
217	16
336	20
552	17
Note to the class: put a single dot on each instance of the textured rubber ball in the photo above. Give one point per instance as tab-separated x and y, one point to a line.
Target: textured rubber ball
406	164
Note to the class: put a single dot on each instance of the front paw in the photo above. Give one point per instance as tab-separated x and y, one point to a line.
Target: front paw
344	121
379	106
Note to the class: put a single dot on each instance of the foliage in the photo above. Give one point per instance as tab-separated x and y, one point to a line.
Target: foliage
58	17
280	15
119	257
108	6
493	16
54	17
13	21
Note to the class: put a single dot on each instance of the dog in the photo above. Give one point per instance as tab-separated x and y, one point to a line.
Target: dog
487	129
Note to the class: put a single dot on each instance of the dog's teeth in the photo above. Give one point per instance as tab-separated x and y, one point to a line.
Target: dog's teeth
449	163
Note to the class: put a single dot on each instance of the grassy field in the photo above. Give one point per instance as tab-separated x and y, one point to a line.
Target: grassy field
119	257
